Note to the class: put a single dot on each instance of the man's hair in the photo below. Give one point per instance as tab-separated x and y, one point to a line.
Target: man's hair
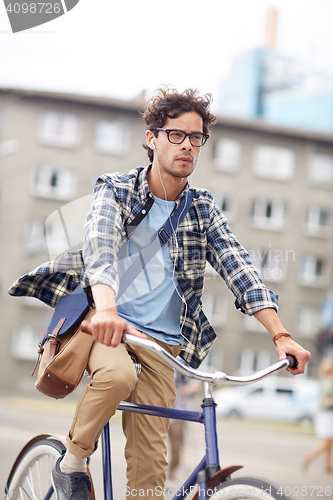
169	103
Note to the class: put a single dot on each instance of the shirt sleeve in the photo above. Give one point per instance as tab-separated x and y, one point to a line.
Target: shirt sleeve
102	238
233	263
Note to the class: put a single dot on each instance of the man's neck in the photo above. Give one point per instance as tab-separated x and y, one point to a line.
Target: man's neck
162	184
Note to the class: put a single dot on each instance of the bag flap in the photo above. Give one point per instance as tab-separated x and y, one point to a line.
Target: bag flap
73	307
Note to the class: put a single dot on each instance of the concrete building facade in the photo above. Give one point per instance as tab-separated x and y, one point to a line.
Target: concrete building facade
274	185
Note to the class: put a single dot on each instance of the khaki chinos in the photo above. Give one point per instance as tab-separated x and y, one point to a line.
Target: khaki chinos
113	379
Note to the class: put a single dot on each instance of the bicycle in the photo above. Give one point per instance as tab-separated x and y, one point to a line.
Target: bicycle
30	474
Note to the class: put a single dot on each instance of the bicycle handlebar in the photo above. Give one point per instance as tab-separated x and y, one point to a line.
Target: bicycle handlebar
214	378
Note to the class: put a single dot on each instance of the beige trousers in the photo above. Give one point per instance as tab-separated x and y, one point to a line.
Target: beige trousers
113	379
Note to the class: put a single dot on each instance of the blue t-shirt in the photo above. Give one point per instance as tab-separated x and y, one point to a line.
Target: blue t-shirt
151	303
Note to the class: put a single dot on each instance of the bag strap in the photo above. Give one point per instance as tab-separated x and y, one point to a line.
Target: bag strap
54	344
163	236
129	230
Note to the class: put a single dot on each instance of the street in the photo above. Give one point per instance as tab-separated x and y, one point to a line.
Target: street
270	451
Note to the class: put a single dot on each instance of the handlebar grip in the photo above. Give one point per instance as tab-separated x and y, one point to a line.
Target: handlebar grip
292	361
85	327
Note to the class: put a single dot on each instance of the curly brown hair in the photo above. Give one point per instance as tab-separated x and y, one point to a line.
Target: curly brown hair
169	103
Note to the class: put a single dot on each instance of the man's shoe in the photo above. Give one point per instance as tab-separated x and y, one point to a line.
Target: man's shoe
68	486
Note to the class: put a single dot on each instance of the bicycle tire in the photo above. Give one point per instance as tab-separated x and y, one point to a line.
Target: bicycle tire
246	488
31	477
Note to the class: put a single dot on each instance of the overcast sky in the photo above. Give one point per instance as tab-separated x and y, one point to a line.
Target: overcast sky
118	48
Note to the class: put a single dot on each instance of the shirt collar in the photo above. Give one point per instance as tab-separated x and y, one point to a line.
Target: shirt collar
144	190
143	187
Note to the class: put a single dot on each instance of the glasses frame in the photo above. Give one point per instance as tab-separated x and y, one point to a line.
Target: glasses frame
169	130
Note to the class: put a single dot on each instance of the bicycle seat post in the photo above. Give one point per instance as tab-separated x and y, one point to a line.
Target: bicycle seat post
209	412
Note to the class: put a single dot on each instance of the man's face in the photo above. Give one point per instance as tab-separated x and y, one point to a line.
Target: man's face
178	160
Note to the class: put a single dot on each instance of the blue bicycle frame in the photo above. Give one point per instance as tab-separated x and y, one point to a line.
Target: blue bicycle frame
208	473
209	464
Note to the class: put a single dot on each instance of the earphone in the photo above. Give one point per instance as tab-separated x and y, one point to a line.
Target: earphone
175	240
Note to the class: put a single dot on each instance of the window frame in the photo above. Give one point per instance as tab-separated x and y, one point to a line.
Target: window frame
317	171
272	167
312	225
262	220
102	145
223	164
54	129
311	262
41	185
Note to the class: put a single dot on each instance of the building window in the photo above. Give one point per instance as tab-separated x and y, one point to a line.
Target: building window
227	155
24	342
312	271
59	129
9	147
269	214
227	204
54	182
320	170
317	221
35	237
215	307
65	226
56	235
210	272
93	179
251	362
251	324
37	304
269	263
309	321
113	137
273	162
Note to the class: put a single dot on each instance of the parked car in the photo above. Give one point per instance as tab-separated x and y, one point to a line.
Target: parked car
274	398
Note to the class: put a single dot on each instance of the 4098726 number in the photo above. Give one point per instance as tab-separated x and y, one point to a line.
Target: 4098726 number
34	8
305	491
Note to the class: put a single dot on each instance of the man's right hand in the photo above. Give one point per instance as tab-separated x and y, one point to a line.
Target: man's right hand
108	327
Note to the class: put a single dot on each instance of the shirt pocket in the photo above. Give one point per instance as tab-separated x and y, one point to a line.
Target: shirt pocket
194	251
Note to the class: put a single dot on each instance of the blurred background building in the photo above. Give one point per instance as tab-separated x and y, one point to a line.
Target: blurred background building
277	88
274	183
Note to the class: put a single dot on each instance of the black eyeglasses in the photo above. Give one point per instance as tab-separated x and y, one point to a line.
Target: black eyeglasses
197	139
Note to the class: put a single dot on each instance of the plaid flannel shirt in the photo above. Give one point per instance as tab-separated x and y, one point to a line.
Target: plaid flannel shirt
203	236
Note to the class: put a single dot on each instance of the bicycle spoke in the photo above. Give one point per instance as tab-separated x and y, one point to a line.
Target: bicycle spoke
32	478
39	475
31	484
22	489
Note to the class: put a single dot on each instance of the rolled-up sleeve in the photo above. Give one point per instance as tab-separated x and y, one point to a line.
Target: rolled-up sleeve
102	238
233	263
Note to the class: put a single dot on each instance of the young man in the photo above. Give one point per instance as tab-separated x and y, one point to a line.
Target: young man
164	301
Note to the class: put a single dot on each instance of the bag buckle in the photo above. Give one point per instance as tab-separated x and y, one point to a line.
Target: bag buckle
164	235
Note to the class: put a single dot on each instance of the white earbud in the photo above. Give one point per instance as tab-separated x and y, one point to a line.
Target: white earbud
153	143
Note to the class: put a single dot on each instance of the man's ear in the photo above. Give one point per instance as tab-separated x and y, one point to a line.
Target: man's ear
150	136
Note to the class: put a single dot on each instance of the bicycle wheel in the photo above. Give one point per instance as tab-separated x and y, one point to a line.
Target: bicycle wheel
247	488
31	477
